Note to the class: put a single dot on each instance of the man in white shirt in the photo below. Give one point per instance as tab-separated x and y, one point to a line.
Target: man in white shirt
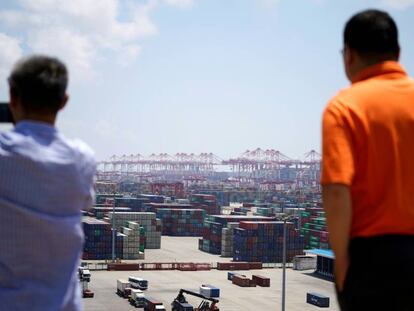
46	181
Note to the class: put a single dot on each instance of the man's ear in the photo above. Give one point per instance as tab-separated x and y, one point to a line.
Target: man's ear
398	54
64	101
14	101
349	56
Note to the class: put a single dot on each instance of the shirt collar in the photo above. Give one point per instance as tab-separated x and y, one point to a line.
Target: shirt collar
387	67
35	126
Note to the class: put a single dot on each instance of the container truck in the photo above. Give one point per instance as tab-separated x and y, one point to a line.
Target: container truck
137	298
153	305
123	288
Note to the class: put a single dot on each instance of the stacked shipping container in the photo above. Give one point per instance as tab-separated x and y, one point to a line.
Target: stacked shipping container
131	241
213	228
101	211
206	202
98	240
227	237
263	241
223	197
135	204
151	231
314	229
181	222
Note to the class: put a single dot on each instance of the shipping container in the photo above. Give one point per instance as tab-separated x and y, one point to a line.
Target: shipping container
261	280
213	230
181	222
317	300
263	242
209	291
304	262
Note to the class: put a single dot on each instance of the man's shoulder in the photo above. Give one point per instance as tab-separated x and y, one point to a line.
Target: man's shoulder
82	150
339	102
349	98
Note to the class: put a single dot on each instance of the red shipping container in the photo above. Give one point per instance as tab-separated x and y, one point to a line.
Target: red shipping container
122	267
255	265
248	225
240	281
232	266
261	280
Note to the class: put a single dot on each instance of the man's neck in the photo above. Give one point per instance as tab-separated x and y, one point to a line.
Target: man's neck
49	119
364	63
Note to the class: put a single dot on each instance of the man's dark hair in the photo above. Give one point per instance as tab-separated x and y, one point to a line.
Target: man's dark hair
373	33
40	83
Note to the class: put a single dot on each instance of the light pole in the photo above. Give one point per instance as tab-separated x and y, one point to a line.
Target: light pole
284	265
113	227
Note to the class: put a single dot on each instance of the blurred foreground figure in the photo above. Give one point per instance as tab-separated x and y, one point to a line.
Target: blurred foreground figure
368	170
45	182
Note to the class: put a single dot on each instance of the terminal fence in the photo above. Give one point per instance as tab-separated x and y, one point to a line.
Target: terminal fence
181	266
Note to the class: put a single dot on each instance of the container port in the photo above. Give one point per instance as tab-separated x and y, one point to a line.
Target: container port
190	226
164	285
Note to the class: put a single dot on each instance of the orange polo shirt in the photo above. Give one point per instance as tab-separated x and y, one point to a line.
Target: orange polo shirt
368	144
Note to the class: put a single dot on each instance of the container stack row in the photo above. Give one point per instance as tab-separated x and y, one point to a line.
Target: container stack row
132	248
181	222
104	198
206	202
314	229
213	228
151	226
263	241
227	237
135	204
100	212
98	240
241	210
211	241
223	197
264	211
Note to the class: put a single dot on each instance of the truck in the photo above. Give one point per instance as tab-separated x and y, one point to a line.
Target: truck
123	288
137	298
84	274
84	278
138	283
153	305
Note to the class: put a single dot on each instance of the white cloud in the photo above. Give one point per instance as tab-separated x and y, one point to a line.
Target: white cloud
10	52
67	44
180	3
79	31
399	4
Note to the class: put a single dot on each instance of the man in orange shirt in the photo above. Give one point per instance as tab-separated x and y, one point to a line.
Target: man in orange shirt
368	170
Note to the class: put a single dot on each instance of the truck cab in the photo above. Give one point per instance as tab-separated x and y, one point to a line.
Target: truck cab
137	298
84	274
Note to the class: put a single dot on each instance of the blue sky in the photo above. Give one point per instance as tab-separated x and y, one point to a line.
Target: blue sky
172	76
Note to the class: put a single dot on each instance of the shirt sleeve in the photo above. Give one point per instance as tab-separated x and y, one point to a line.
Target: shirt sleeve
87	166
90	198
337	147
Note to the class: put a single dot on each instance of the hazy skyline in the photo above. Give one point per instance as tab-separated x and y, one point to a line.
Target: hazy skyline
193	75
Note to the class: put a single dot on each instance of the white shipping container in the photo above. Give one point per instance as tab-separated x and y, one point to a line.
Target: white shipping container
205	291
121	284
304	263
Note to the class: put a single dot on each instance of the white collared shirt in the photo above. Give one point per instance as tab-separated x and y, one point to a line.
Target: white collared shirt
45	182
